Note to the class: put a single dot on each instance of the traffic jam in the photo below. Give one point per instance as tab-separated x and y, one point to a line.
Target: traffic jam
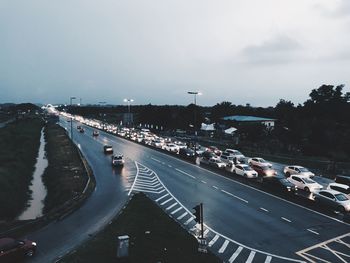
332	196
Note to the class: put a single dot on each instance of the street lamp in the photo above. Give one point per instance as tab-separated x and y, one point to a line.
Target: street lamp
195	93
71	118
101	103
129	102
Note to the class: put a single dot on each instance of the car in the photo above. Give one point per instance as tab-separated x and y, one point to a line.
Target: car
343	188
334	199
171	147
208	155
14	250
256	161
226	158
342	179
95	133
186	152
305	183
245	170
81	130
216	162
118	160
215	150
264	171
279	182
240	157
158	143
78	127
296	169
107	149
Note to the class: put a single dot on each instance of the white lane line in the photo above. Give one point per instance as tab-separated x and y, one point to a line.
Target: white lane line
178	209
189	220
235	196
215	187
268	259
223	247
206	232
235	255
313	231
204	182
286	219
169	207
182	216
161	191
137	173
169	166
155	160
167	201
212	242
185	173
251	257
264	209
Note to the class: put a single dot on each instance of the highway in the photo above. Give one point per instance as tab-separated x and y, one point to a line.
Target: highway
243	224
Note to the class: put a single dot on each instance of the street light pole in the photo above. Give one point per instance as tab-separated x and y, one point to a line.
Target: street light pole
129	102
71	118
195	93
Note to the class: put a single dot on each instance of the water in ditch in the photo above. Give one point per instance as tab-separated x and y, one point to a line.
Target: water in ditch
36	204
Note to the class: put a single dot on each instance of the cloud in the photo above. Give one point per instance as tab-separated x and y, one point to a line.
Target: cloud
276	50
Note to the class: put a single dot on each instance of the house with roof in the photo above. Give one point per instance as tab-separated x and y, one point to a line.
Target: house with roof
247	120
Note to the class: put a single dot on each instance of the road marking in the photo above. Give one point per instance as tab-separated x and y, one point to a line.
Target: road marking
137	174
169	166
155	160
235	196
215	187
235	255
212	242
286	219
167	201
312	231
204	182
206	231
185	173
251	257
169	207
182	216
264	209
189	220
268	259
223	247
178	209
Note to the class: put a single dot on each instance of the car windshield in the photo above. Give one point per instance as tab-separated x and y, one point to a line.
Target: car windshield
247	168
284	181
341	197
308	181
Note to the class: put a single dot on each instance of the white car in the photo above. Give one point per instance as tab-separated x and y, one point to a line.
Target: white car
171	147
296	169
245	170
305	183
226	159
343	188
216	162
158	143
259	162
117	160
235	153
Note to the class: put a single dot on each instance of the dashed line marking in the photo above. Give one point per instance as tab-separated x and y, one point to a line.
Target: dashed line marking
286	219
313	231
212	242
189	220
169	166
235	255
185	173
178	209
268	259
167	201
182	216
204	182
169	207
215	187
223	247
235	196
264	209
251	257
155	160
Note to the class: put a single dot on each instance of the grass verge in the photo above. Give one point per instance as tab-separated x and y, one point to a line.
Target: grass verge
19	146
166	241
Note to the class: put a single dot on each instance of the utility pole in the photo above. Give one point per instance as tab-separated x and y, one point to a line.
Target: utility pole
195	93
71	118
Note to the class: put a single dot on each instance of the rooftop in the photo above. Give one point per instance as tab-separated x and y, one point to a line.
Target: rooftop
245	118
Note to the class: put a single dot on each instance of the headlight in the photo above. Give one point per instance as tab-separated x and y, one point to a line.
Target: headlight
33	243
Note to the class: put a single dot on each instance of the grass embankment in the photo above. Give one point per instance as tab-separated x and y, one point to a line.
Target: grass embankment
19	146
166	241
65	177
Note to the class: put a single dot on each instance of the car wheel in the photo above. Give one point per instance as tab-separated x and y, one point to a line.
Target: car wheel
29	253
341	209
287	174
307	189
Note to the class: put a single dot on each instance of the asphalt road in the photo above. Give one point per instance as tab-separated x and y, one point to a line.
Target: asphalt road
243	224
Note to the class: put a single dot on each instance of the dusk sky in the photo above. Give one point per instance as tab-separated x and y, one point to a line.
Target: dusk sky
243	51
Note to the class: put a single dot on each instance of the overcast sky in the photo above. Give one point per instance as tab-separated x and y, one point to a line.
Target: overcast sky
154	51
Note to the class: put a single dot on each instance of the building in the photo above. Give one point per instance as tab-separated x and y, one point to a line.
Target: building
246	120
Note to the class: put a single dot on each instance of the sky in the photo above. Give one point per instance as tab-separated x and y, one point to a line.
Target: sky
155	51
